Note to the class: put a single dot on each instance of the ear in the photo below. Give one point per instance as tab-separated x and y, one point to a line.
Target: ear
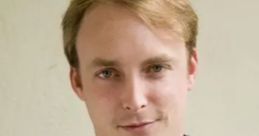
76	82
192	69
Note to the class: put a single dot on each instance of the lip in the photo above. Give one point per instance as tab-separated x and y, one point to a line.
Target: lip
139	127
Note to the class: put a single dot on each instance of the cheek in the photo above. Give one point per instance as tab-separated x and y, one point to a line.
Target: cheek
171	92
100	101
100	96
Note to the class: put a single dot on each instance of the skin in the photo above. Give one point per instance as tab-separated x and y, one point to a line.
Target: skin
133	79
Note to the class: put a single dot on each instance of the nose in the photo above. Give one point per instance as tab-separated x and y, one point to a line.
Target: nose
134	95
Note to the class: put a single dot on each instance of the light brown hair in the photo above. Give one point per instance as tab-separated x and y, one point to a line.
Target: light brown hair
175	15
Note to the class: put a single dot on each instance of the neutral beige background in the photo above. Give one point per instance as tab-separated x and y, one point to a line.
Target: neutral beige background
36	98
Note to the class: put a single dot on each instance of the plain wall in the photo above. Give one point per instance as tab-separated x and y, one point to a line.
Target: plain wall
35	94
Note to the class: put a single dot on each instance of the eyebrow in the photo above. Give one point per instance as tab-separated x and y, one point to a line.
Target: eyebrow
158	59
100	62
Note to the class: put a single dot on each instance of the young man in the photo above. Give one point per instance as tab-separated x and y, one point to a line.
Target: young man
132	63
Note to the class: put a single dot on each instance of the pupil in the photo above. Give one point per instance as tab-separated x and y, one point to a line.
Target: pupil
107	73
157	68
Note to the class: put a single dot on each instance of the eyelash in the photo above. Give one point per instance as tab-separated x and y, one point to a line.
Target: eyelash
153	68
111	70
150	70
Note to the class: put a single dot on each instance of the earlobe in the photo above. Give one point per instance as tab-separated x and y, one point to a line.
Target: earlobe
76	83
193	68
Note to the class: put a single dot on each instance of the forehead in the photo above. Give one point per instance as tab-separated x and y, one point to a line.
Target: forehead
104	17
114	32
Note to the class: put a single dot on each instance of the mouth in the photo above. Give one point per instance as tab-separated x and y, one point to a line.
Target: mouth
139	127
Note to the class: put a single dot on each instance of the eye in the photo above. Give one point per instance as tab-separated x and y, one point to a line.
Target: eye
106	74
156	68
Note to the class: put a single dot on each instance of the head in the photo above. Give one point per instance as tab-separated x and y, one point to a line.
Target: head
132	63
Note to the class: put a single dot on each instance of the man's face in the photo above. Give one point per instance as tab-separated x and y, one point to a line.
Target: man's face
134	80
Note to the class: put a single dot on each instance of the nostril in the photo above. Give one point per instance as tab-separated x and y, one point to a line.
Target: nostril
137	108
143	106
127	108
